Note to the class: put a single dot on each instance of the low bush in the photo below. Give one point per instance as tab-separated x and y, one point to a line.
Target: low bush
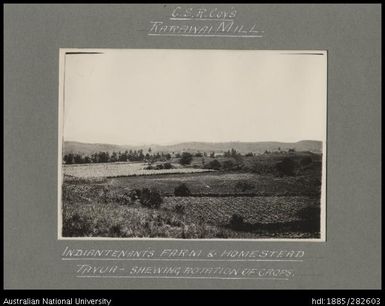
244	186
167	166
261	168
182	190
228	165
236	221
150	198
135	194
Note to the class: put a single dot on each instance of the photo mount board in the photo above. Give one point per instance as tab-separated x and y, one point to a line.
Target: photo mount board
33	35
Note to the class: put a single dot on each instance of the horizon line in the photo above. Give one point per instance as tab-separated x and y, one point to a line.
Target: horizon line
193	141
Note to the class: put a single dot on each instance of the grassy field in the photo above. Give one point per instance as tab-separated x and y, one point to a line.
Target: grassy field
221	204
121	169
224	183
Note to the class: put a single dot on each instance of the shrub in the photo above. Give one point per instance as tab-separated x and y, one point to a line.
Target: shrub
244	186
135	194
182	191
115	231
186	158
123	198
228	165
236	221
167	166
214	165
261	168
159	167
150	198
287	167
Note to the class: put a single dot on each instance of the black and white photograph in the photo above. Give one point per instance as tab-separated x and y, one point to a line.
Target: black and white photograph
192	144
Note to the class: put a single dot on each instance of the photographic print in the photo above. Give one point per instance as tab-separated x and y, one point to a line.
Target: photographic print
192	144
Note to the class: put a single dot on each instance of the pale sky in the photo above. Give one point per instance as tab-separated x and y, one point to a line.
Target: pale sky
155	96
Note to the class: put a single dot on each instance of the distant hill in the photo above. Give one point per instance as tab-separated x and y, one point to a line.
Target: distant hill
242	147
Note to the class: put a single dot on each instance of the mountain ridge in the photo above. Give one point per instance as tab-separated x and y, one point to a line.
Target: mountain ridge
195	146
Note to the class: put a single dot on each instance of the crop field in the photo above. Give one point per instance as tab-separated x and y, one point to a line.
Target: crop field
120	169
102	207
115	220
254	210
112	200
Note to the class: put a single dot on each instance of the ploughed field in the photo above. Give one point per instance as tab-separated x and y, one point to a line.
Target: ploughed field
254	210
98	202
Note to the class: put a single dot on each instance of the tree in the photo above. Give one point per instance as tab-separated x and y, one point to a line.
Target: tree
186	158
140	154
114	157
78	159
214	164
69	158
95	158
104	157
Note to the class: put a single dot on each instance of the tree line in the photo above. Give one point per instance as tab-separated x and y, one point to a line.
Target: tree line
149	156
106	157
138	155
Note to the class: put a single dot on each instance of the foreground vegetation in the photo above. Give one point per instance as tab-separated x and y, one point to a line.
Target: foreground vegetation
268	196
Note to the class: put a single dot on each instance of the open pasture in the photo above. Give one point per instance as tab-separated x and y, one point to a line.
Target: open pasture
222	183
120	169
